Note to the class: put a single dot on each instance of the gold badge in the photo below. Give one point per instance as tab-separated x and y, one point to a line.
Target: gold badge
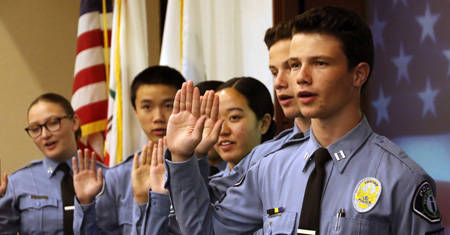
366	194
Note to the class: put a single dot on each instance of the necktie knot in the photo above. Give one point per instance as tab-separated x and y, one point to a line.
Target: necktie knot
321	156
64	168
298	136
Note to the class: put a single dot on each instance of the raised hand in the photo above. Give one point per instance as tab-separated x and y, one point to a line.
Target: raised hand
140	175
185	126
3	182
158	171
86	182
209	108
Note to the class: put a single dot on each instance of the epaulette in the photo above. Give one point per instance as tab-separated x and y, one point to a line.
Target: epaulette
398	153
129	158
28	165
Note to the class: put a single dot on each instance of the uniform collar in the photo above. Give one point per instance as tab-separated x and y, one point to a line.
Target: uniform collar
50	165
342	150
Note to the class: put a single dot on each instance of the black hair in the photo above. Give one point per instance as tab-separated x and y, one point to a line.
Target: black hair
208	85
156	75
258	99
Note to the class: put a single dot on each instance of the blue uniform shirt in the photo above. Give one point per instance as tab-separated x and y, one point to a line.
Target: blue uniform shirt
32	203
220	182
380	188
116	212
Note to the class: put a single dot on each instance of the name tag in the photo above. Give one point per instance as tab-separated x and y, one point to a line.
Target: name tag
38	197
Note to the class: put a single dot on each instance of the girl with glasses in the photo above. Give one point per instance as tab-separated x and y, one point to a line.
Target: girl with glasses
39	197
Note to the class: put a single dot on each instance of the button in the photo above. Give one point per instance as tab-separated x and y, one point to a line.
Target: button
153	201
381	140
49	170
38	203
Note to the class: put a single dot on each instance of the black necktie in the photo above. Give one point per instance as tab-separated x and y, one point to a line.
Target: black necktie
298	136
68	194
310	216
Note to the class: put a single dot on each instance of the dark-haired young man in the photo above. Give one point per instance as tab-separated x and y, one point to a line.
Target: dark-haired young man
126	205
370	186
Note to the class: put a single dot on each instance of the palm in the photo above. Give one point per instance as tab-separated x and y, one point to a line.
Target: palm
184	126
86	181
210	135
140	175
85	184
157	170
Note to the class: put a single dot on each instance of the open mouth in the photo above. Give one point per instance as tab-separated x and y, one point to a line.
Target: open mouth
226	143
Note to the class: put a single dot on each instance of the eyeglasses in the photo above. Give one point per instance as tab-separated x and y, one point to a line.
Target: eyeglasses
54	124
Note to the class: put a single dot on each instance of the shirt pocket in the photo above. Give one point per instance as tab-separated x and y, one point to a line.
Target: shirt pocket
284	223
357	226
34	209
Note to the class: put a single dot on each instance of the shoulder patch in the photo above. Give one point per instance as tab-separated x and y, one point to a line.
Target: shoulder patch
366	194
425	205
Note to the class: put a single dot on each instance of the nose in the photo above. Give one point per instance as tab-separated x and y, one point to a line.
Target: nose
158	116
225	129
281	80
303	75
45	133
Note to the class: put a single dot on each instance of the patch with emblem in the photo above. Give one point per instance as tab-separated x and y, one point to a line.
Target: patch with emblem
366	194
425	205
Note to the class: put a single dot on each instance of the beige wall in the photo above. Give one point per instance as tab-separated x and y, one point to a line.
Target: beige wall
37	55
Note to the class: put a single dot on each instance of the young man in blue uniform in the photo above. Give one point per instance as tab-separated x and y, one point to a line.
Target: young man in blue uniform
370	185
124	205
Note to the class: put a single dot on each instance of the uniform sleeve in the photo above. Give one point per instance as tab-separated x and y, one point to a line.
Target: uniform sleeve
157	213
9	214
194	212
84	217
417	212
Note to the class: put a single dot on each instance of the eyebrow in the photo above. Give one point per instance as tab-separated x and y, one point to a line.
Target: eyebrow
235	109
151	100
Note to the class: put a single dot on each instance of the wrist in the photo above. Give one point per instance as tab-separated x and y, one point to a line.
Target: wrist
180	157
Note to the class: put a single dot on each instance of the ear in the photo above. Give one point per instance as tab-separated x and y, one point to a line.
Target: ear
362	71
76	122
265	123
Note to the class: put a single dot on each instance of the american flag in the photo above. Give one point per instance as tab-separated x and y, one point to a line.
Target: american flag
89	95
410	84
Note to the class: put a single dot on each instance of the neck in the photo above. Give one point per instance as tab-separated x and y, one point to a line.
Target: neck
302	123
329	130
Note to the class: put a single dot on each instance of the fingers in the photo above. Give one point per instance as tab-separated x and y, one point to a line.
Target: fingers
198	129
150	150
80	160
155	153
176	105
209	103
216	130
136	161
183	97
144	153
93	161
161	151
203	103
74	164
86	159
215	108
189	95
196	102
5	179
